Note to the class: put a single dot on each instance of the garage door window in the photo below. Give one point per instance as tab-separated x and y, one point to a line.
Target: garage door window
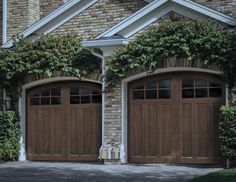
160	89
84	96
200	89
46	97
164	89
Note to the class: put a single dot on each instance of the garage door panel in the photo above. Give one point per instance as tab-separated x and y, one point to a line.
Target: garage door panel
137	134
75	126
59	133
85	141
86	138
151	123
187	129
33	136
203	129
159	131
45	131
144	131
168	131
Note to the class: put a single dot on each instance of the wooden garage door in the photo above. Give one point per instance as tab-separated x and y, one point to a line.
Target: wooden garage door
173	118
64	122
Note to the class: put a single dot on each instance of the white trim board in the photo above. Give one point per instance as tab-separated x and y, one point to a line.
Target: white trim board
103	43
159	8
55	19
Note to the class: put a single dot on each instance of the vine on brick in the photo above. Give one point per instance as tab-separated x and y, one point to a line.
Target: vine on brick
46	55
192	41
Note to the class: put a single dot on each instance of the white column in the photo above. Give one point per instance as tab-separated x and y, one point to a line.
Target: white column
124	145
103	98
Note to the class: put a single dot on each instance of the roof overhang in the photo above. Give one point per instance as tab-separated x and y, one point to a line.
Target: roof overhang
104	43
158	9
55	19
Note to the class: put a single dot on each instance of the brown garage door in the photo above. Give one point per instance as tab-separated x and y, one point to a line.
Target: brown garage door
64	122
173	118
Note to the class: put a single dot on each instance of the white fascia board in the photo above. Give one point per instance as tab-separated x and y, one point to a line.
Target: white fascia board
159	8
207	11
194	15
55	19
104	43
136	16
145	21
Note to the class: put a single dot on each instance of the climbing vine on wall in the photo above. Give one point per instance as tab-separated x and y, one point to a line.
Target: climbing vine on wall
47	55
193	41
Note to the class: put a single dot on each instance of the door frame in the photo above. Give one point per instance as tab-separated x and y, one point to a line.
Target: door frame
22	107
125	99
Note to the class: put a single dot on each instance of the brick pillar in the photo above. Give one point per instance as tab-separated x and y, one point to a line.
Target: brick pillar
110	151
21	15
112	117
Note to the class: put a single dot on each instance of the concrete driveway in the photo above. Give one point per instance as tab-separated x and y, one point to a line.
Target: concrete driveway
80	172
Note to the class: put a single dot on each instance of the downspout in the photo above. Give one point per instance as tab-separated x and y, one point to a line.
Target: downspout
4	21
99	54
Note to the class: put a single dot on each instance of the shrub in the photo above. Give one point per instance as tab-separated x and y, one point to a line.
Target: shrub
9	136
227	128
49	55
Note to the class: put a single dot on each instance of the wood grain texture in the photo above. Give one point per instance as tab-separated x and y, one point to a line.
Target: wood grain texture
174	130
65	131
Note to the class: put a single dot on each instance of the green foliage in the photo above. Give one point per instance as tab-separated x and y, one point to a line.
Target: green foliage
47	55
227	127
226	175
9	136
193	41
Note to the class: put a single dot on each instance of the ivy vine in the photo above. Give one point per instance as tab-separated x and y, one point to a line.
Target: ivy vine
46	55
193	41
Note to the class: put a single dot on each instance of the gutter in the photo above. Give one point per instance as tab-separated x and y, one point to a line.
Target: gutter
104	43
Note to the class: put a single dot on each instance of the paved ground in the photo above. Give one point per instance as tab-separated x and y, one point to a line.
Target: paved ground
80	172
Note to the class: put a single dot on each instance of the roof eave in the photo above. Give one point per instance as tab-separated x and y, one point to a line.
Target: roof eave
196	9
54	19
104	43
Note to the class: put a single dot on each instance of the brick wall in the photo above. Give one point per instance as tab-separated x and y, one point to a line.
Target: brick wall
100	17
33	11
47	6
225	6
21	15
